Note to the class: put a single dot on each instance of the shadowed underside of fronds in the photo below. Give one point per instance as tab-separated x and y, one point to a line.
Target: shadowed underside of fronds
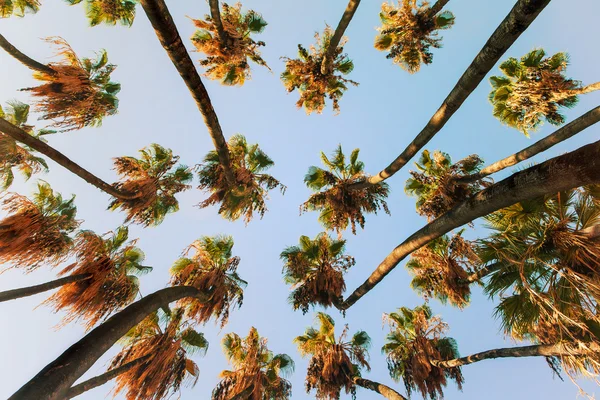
108	11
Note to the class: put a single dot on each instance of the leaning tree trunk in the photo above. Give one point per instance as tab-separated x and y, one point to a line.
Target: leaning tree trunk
327	64
436	8
25	60
169	38
383	390
54	381
515	23
215	15
14	294
21	136
577	168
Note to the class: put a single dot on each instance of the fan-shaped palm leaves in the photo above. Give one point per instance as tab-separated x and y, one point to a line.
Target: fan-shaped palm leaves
533	89
229	62
257	373
208	266
409	31
108	11
415	340
18	8
304	74
36	231
316	269
248	195
156	179
338	205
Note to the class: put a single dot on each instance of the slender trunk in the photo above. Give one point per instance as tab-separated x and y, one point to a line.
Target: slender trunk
14	294
383	390
327	64
436	8
54	380
169	38
25	60
105	377
515	23
215	15
584	90
543	350
574	169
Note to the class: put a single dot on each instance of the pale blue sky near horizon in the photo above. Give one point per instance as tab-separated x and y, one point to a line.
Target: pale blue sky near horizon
380	117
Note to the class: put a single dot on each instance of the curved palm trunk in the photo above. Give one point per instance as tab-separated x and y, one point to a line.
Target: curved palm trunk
383	390
54	380
584	90
25	60
437	7
509	30
215	14
574	169
14	294
169	38
543	350
327	64
21	136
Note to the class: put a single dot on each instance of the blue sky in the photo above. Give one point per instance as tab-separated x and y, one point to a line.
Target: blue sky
380	117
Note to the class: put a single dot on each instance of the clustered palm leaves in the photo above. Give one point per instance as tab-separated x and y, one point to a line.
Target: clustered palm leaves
208	266
304	74
409	31
156	180
416	338
316	269
334	362
436	183
37	230
229	62
257	373
108	11
339	205
79	93
18	8
168	341
13	155
247	195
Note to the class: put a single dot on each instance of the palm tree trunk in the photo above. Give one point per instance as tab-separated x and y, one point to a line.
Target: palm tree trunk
169	38
577	168
515	23
544	350
215	15
105	377
571	129
436	8
584	90
25	60
23	137
383	390
327	64
14	294
54	380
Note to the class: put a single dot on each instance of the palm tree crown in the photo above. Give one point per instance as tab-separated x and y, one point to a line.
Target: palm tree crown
108	11
18	8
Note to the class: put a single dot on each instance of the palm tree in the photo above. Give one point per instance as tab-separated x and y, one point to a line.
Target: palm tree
416	337
339	206
534	88
327	64
18	8
156	179
227	60
305	74
251	185
257	373
108	11
409	30
37	231
210	267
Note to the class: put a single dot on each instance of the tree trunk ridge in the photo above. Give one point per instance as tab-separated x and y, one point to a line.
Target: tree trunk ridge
383	390
14	294
24	59
327	63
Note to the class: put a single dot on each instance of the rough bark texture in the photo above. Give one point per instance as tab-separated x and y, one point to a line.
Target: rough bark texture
25	60
14	294
23	137
169	38
337	35
54	380
574	169
383	390
215	14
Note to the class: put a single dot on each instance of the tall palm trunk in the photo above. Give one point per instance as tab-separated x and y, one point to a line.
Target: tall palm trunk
509	30
14	294
436	8
54	380
574	169
27	61
544	350
383	390
215	14
351	8
169	38
21	136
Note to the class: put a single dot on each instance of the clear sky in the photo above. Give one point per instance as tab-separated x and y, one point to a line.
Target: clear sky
380	117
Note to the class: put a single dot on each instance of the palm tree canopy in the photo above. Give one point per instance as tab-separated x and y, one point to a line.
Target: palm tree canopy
108	11
338	205
18	8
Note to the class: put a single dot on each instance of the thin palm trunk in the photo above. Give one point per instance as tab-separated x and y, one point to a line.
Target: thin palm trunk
383	390
337	35
169	38
515	23
54	381
25	60
577	168
436	8
14	294
215	14
21	136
